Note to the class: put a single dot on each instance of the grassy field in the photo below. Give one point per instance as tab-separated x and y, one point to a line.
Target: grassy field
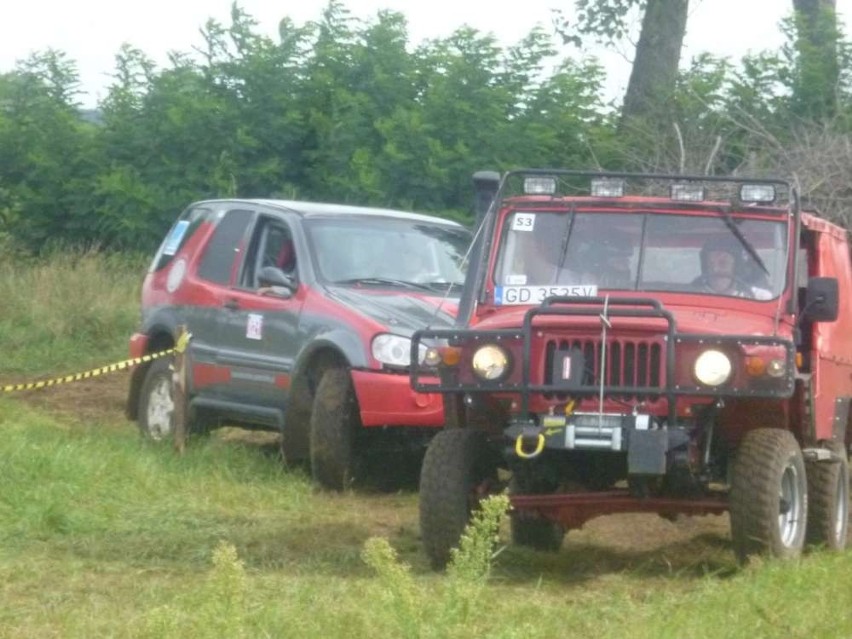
102	534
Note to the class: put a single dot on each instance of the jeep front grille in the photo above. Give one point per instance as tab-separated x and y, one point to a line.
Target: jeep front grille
634	364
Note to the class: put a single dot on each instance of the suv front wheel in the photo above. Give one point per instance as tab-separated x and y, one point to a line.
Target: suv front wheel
335	421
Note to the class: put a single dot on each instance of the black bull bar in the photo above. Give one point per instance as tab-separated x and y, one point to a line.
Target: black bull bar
431	380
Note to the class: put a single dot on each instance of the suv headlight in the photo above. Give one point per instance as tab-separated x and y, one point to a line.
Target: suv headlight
394	350
713	368
490	362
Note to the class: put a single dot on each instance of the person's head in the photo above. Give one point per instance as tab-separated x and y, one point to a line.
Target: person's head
720	258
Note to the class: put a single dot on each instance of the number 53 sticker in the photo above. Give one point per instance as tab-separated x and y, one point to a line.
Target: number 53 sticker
523	222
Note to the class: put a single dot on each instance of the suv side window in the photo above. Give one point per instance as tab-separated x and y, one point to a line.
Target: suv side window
271	245
217	263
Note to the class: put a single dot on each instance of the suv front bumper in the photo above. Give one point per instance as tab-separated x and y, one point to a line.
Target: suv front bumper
387	399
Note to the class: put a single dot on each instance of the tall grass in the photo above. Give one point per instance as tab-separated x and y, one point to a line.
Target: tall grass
67	309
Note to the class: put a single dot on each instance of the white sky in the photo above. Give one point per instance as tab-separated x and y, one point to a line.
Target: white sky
91	31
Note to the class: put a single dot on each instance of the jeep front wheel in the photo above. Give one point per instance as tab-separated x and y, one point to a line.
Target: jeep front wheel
458	471
768	497
335	421
828	499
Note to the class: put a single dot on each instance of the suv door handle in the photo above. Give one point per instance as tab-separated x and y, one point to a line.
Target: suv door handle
231	304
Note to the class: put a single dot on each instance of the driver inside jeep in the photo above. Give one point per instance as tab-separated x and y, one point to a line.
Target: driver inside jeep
721	264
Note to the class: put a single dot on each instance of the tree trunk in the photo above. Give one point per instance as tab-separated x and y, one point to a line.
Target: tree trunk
655	68
814	92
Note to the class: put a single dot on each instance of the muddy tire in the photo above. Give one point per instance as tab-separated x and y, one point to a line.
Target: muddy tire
335	421
156	402
828	500
458	470
768	497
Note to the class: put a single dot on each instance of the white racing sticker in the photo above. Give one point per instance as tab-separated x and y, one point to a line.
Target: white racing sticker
176	274
523	222
514	295
254	327
175	237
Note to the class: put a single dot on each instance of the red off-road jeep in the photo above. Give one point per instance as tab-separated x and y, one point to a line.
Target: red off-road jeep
301	316
657	343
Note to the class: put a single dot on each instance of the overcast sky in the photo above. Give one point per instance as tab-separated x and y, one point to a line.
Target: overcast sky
91	31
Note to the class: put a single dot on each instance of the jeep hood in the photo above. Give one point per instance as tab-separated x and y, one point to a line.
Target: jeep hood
401	313
689	319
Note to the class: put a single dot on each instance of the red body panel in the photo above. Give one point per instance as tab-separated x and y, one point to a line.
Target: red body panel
387	400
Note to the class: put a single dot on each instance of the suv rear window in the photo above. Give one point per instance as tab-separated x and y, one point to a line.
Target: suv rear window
183	229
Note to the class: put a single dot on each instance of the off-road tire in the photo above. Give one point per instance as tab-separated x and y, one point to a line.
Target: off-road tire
156	402
457	470
828	500
335	421
768	497
156	405
529	530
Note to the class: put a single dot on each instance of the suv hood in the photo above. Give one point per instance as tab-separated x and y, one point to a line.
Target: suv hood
399	312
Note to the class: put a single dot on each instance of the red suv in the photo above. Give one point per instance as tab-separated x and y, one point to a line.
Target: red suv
301	316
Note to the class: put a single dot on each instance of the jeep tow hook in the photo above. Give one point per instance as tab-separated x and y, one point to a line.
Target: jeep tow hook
521	449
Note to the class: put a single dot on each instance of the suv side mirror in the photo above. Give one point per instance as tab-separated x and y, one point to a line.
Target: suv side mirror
822	299
282	284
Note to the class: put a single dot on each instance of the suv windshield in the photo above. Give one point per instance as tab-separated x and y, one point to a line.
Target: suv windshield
642	252
385	251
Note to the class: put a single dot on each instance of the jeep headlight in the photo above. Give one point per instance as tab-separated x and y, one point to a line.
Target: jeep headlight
713	368
394	350
490	362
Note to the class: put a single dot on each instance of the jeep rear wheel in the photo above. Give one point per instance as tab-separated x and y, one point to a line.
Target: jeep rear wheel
828	499
156	402
335	421
458	471
768	497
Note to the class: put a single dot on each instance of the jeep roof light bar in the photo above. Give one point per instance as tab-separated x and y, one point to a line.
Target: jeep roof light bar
559	183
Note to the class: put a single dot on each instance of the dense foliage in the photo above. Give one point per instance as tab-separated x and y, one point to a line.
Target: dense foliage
350	111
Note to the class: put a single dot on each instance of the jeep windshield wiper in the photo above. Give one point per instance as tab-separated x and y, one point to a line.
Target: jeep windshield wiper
752	252
383	281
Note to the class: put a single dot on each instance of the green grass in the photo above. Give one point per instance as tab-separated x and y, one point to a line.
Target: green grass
103	535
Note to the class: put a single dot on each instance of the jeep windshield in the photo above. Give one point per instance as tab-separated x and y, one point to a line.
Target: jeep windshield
581	253
388	253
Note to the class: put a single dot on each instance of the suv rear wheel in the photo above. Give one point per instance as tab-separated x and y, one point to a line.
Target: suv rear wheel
828	499
768	498
335	422
156	402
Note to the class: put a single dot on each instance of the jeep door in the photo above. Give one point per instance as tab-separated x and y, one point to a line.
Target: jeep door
258	335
